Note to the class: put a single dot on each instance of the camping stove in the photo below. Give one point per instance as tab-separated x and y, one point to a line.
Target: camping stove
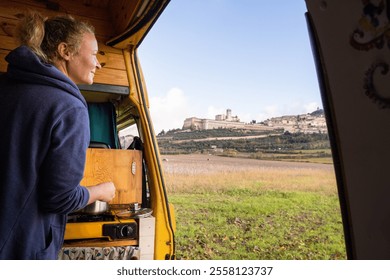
100	226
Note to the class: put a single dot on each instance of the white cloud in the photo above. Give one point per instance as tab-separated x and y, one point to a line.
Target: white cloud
311	107
213	111
295	108
245	117
268	112
169	111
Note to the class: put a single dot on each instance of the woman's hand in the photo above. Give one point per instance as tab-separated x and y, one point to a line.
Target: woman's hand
104	192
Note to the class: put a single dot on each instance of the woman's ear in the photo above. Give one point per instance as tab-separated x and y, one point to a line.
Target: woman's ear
63	51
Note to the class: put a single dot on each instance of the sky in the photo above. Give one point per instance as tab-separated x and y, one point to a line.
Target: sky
251	56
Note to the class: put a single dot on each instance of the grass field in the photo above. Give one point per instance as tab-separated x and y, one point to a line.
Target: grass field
243	209
312	155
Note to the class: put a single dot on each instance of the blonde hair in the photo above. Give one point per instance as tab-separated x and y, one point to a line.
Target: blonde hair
43	35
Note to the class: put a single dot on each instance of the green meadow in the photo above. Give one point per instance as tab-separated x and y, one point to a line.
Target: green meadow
246	209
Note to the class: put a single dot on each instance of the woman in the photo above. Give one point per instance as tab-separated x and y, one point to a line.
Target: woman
44	135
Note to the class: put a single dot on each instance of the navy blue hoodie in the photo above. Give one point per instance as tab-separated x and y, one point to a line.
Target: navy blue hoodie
44	134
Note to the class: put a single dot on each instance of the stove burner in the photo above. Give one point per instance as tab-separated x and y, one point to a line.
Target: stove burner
77	218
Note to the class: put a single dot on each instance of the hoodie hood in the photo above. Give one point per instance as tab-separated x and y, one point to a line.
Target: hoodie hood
24	65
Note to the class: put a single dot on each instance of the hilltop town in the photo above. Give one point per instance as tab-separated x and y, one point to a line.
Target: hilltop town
304	123
278	137
227	125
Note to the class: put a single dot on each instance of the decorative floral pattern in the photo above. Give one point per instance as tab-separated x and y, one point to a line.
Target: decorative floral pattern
370	88
373	32
99	253
374	26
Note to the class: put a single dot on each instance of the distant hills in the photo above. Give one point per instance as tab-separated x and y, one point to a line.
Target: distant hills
313	122
284	134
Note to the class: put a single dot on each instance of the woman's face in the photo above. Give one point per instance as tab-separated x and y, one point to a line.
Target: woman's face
82	65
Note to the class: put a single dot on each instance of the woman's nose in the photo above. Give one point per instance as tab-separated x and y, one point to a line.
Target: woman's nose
98	65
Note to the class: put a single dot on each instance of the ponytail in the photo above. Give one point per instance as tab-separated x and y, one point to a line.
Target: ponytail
31	31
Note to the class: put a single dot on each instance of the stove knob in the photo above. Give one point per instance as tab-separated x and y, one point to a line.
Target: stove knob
126	231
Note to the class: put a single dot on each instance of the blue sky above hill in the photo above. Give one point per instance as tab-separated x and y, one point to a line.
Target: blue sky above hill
251	56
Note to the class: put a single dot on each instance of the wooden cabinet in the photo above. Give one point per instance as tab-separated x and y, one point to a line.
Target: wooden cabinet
123	167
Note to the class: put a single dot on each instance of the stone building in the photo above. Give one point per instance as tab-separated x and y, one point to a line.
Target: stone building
306	123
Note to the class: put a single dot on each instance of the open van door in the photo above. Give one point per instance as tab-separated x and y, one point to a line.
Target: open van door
351	46
140	223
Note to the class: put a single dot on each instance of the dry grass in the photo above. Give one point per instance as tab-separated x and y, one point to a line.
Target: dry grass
196	173
246	209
